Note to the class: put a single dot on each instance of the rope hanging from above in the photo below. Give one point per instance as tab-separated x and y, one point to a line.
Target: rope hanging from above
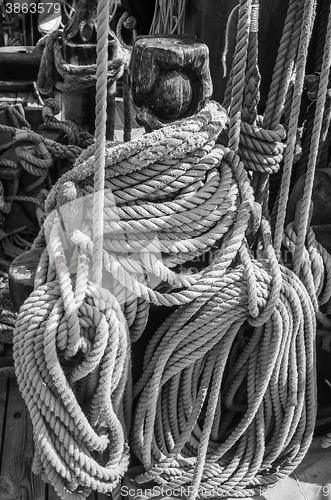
227	398
54	71
311	261
86	401
77	358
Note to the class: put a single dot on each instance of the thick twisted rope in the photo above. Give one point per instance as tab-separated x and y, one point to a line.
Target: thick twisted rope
314	146
100	135
238	75
67	439
200	445
130	23
85	406
196	198
55	71
81	426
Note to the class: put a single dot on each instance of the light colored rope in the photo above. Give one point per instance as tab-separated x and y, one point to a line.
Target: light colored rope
306	31
100	135
314	147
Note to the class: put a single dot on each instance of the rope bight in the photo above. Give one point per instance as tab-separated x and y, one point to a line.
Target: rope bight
226	403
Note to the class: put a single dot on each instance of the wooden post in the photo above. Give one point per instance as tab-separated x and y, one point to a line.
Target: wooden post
170	78
79	41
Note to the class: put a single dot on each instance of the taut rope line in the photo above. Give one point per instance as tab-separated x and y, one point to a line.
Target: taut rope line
227	399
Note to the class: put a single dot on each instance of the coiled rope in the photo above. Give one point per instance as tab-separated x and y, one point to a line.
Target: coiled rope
83	317
214	412
311	261
80	409
227	398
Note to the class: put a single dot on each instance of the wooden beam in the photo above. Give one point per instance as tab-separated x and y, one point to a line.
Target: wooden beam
17	480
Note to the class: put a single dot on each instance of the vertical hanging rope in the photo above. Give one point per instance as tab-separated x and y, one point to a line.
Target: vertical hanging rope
282	75
239	69
252	79
314	147
306	31
100	138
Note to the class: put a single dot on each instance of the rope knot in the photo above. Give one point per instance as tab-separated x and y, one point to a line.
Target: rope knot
261	150
35	159
51	108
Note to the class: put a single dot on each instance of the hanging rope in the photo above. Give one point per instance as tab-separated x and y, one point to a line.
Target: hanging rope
169	17
100	135
77	360
130	23
55	71
227	399
314	147
310	260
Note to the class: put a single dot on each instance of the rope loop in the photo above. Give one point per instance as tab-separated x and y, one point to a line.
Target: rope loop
129	22
261	150
38	162
56	71
50	109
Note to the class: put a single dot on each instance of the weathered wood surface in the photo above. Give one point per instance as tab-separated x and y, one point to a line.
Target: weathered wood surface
19	64
207	20
170	78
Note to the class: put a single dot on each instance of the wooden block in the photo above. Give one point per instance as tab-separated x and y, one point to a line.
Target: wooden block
34	115
17	480
79	107
170	76
21	276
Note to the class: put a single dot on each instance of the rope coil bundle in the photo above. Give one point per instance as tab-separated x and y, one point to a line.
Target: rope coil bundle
65	321
77	450
37	158
206	183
